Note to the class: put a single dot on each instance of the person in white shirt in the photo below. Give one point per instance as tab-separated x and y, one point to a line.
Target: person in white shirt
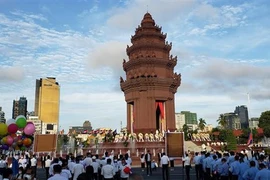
3	165
148	160
71	163
77	169
65	172
56	171
88	160
107	171
124	170
164	160
47	166
142	161
54	162
22	162
187	166
95	165
34	165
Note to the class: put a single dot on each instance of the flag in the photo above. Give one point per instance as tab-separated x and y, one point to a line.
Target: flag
250	139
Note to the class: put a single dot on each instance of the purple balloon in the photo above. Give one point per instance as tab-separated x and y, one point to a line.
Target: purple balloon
5	147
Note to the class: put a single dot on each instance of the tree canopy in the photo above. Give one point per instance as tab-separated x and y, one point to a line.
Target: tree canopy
264	123
222	121
201	124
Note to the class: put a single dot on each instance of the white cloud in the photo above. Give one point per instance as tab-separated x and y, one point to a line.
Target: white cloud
11	74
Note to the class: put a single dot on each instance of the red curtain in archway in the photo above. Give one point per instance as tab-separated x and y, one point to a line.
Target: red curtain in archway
161	108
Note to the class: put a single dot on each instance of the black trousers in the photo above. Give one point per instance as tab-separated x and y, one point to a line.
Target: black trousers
47	172
224	177
234	177
148	167
43	164
188	171
34	171
201	173
95	176
165	171
207	174
197	170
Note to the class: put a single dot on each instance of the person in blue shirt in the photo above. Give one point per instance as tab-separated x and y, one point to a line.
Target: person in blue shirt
224	170
235	168
218	165
213	165
207	166
196	161
263	174
201	174
251	172
243	167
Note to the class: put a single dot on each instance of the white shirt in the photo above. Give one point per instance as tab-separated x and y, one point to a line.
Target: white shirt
66	173
77	170
51	168
122	173
48	163
95	166
57	177
87	161
107	171
187	161
33	162
164	160
3	164
22	163
71	164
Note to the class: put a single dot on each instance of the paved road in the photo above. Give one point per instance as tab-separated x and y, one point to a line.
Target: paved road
176	174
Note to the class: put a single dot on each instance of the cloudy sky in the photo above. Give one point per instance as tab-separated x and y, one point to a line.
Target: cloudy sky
222	48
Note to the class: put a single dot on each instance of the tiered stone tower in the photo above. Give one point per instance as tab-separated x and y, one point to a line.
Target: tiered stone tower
150	82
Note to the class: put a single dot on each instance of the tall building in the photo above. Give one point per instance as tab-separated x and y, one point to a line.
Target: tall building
19	107
190	117
47	101
179	120
233	120
253	123
150	83
2	116
38	124
242	112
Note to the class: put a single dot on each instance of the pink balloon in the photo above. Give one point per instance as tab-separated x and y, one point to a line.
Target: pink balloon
9	140
12	128
30	123
29	129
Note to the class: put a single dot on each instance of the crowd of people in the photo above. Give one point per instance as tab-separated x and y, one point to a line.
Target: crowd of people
89	167
246	165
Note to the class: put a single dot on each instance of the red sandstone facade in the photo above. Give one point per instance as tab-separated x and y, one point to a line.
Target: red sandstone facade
150	82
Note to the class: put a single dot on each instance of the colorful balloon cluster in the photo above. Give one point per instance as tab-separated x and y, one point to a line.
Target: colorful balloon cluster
16	134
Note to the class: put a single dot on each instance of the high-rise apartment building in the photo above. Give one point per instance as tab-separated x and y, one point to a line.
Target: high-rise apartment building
2	116
179	120
47	100
233	121
242	112
190	117
19	107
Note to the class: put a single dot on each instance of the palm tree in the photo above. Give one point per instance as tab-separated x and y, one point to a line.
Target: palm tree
222	121
201	124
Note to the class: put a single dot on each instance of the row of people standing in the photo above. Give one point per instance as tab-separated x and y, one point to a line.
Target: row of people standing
227	166
91	167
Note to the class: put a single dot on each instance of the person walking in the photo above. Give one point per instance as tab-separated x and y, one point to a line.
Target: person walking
164	160
34	165
47	166
187	166
107	171
148	160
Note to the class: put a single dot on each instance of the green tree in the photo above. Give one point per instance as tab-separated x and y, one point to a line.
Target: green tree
231	141
201	124
185	130
222	121
264	123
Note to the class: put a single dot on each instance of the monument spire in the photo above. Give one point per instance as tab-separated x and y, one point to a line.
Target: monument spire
150	82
